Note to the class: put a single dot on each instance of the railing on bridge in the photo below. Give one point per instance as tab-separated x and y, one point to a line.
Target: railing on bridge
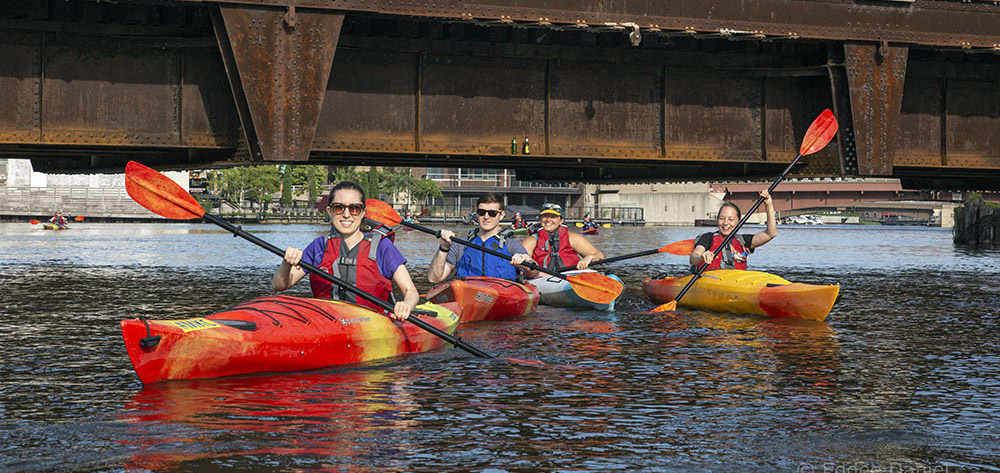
476	177
71	200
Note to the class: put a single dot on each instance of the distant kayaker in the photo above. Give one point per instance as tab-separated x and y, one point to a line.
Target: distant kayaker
370	262
471	262
588	223
740	247
518	221
554	246
58	220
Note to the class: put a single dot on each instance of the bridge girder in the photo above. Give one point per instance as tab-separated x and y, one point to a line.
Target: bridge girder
249	81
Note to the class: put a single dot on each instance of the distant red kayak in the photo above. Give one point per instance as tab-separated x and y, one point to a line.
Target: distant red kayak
483	298
274	334
590	231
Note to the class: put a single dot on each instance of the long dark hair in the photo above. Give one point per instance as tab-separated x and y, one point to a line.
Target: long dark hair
739	215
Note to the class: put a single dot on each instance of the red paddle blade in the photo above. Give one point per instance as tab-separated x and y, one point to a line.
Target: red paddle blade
35	222
668	307
683	247
78	218
159	194
382	212
596	287
819	133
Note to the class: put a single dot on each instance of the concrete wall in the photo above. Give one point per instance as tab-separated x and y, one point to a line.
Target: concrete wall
20	174
665	204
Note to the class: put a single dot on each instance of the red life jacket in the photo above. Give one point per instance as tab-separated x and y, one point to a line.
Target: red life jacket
565	255
366	275
735	257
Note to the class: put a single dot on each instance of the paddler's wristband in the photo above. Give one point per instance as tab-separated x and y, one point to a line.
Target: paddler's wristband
443	249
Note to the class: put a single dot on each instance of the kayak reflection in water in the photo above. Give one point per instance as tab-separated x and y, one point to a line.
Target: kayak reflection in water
706	248
554	246
368	261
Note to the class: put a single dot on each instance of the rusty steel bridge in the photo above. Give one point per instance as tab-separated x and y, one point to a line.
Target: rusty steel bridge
605	90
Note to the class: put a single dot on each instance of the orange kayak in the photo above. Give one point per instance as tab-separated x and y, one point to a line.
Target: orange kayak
747	292
483	298
274	334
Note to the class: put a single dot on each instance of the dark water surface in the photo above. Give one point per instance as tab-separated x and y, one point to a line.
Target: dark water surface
903	376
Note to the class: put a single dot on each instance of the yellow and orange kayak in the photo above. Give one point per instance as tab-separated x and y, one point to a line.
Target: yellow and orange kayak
483	298
275	334
746	292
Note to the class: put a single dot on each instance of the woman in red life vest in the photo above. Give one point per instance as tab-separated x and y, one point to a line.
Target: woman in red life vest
706	248
365	260
555	246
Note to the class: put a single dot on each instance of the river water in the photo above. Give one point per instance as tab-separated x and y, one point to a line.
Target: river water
903	376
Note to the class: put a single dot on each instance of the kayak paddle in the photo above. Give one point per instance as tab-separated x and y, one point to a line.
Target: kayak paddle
683	247
605	225
594	287
818	135
162	196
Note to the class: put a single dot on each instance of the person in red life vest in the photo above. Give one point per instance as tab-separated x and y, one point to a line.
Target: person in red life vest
368	261
58	220
554	246
706	248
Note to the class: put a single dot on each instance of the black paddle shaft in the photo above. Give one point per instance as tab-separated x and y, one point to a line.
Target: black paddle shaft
239	232
746	216
613	259
472	245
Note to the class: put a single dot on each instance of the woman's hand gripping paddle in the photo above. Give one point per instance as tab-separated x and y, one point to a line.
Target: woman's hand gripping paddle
683	247
163	196
819	134
594	287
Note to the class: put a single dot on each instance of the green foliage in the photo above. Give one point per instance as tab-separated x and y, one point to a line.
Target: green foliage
238	184
286	186
311	178
379	183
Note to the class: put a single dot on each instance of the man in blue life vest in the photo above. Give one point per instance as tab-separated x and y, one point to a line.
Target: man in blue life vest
471	262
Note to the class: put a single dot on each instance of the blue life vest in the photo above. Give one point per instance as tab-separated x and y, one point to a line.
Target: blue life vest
478	263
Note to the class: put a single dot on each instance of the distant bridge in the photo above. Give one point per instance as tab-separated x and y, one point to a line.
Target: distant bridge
604	90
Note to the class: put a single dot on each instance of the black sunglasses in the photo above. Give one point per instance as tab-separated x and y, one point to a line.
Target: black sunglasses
355	209
493	213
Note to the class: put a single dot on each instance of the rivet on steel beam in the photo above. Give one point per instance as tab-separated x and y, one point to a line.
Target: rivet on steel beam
544	22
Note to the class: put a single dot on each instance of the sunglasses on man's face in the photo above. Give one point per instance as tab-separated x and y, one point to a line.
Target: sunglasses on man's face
493	213
355	209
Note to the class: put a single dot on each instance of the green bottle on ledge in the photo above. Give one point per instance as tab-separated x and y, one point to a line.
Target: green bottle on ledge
513	145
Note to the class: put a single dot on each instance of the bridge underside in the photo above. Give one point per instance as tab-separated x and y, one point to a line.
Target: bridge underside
89	85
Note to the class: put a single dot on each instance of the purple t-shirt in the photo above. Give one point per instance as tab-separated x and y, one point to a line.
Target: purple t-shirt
387	256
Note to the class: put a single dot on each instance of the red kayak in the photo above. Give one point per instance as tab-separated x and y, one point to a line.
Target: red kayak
590	231
483	298
274	334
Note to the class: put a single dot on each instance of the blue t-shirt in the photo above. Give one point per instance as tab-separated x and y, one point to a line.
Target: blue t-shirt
387	256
